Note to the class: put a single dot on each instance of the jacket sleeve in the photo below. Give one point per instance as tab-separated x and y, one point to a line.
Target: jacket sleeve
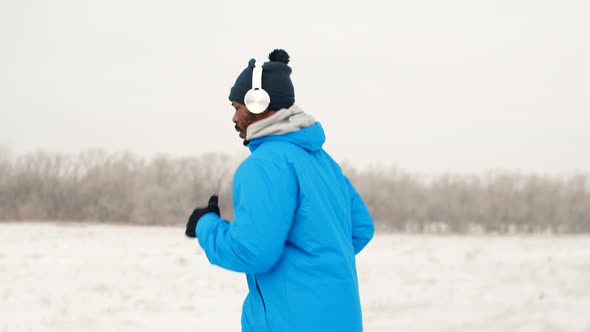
264	198
362	223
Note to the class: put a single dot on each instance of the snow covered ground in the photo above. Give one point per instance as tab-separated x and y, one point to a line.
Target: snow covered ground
92	277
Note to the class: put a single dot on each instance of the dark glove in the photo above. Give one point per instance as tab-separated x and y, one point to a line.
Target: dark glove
191	225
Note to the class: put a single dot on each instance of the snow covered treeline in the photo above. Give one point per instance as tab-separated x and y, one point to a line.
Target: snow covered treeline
96	185
491	202
116	187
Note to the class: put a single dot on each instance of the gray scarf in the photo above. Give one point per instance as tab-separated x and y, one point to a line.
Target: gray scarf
285	121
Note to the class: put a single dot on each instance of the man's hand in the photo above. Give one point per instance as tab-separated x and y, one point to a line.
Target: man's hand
191	225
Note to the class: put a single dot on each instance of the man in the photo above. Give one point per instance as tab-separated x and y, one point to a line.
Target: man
298	222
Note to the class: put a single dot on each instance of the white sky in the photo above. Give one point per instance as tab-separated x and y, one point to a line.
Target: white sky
430	86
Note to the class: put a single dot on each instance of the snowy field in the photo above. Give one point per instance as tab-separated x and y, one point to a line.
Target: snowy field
91	277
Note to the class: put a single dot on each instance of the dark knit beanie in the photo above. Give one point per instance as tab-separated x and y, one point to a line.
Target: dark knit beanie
276	80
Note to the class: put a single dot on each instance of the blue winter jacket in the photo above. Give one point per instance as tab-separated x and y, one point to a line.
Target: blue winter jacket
298	223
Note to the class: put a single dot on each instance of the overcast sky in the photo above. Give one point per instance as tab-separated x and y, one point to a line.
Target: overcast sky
429	86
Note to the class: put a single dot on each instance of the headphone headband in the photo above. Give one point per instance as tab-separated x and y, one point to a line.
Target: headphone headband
257	75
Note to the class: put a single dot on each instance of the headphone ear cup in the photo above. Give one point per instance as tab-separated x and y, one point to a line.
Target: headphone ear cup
257	100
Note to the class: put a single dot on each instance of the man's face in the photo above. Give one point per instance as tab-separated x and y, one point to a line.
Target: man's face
242	118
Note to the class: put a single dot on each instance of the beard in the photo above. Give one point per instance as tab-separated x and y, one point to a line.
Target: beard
239	130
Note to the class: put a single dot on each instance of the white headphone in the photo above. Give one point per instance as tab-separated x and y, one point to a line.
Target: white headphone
256	99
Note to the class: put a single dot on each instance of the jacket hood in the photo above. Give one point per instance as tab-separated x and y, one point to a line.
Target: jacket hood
288	125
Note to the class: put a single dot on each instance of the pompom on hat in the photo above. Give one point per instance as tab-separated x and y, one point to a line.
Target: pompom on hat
276	80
